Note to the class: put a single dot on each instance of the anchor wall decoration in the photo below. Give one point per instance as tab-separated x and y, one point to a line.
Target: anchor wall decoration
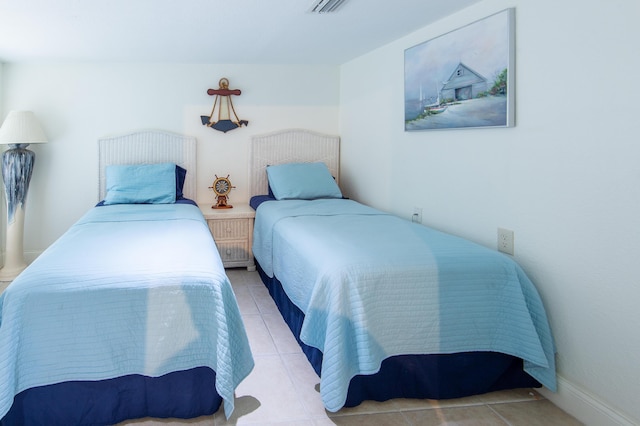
222	119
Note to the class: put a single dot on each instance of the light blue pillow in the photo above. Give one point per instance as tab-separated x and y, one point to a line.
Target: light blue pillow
302	181
141	184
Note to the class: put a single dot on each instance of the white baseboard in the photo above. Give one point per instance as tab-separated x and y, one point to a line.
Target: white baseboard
29	257
586	407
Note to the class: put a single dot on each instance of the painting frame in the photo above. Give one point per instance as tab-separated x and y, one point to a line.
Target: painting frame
463	79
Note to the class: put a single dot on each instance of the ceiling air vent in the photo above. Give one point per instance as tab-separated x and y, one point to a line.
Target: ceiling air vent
325	6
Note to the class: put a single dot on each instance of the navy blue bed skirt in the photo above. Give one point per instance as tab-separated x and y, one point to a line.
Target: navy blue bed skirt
433	376
182	394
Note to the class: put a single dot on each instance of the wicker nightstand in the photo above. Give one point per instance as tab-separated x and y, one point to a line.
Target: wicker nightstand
232	229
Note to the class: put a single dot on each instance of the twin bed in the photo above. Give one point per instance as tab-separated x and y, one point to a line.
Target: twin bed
130	314
383	307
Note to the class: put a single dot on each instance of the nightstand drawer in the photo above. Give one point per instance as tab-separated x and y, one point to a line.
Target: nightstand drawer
233	251
229	229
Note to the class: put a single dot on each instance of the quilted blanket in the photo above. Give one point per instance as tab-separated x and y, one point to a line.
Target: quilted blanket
128	289
373	285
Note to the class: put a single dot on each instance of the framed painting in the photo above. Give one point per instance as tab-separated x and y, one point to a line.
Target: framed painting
462	79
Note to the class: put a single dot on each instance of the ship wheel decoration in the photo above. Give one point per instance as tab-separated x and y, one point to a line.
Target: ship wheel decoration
220	118
222	186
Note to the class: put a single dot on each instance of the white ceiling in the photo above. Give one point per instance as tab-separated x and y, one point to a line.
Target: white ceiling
207	31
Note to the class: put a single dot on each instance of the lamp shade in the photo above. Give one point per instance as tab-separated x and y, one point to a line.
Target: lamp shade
21	127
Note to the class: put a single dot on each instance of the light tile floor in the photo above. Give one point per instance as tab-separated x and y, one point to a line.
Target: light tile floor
282	390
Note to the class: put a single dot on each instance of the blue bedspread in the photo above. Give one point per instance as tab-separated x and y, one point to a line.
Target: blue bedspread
128	289
372	285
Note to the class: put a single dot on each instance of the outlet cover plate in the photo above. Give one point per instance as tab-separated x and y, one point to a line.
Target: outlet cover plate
505	241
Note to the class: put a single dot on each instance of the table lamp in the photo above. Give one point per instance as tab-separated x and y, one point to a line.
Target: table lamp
19	129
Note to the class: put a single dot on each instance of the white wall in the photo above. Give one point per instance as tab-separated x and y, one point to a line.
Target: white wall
566	179
1	87
3	212
77	103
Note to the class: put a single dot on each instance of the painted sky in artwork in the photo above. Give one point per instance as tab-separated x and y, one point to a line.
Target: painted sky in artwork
483	46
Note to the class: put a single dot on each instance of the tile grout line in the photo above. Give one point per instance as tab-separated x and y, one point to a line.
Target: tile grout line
301	401
507	422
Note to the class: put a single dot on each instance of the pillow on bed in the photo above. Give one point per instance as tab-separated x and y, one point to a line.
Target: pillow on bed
141	183
303	181
181	175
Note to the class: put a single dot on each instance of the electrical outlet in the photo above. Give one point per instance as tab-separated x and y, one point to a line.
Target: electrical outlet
505	241
417	215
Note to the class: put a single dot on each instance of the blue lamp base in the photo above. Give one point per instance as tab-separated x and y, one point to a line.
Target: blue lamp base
17	166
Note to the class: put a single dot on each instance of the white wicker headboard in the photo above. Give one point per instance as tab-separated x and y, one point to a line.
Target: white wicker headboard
147	147
290	146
